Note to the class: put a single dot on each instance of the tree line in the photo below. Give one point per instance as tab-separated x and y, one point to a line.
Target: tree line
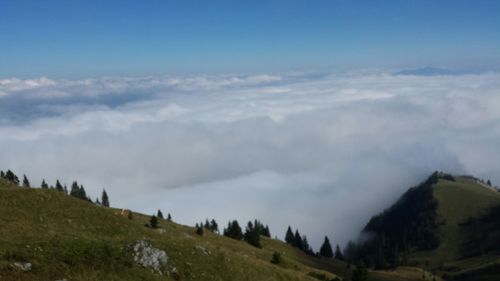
77	190
252	233
411	223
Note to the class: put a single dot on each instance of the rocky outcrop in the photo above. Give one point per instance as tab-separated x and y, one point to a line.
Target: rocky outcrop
23	266
146	255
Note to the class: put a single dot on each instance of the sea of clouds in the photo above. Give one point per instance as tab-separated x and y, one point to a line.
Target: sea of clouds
319	152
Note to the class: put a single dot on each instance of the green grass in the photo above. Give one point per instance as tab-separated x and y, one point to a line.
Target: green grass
457	202
64	237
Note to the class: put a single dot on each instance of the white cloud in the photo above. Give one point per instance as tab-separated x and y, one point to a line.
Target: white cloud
322	153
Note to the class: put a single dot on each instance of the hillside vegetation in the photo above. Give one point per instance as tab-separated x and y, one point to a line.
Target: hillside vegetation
71	238
449	225
65	237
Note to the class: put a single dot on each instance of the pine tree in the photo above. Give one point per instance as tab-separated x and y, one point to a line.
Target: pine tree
75	189
59	187
160	215
66	189
326	249
82	194
233	230
98	202
306	247
169	217
266	232
214	227
289	238
207	224
488	183
105	198
199	229
153	222
298	240
252	235
26	182
338	253
44	184
10	176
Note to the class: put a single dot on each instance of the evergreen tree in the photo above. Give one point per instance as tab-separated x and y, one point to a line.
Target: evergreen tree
2	174
97	201
153	222
105	199
488	183
351	251
266	232
289	238
26	182
306	247
338	253
10	176
65	189
169	217
326	249
82	194
160	215
59	187
233	230
298	240
199	229
252	235
214	227
44	184
207	224
75	189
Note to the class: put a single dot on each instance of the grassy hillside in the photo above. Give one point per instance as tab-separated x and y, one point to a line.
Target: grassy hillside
458	201
65	237
462	214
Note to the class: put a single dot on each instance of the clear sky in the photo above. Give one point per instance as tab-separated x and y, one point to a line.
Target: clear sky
93	38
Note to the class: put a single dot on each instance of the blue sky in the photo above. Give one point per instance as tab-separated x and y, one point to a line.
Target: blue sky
72	39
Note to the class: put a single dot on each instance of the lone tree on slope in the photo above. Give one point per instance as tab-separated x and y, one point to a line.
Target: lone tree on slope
104	198
26	182
153	222
159	214
326	249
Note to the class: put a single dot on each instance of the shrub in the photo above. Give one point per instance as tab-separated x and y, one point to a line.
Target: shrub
199	230
276	259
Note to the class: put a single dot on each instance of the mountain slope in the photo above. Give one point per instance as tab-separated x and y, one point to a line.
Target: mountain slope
65	237
465	221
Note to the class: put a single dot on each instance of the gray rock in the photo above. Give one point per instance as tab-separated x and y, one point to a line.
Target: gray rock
146	255
23	266
203	250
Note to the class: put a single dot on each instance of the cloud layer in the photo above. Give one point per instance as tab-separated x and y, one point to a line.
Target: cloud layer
319	152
